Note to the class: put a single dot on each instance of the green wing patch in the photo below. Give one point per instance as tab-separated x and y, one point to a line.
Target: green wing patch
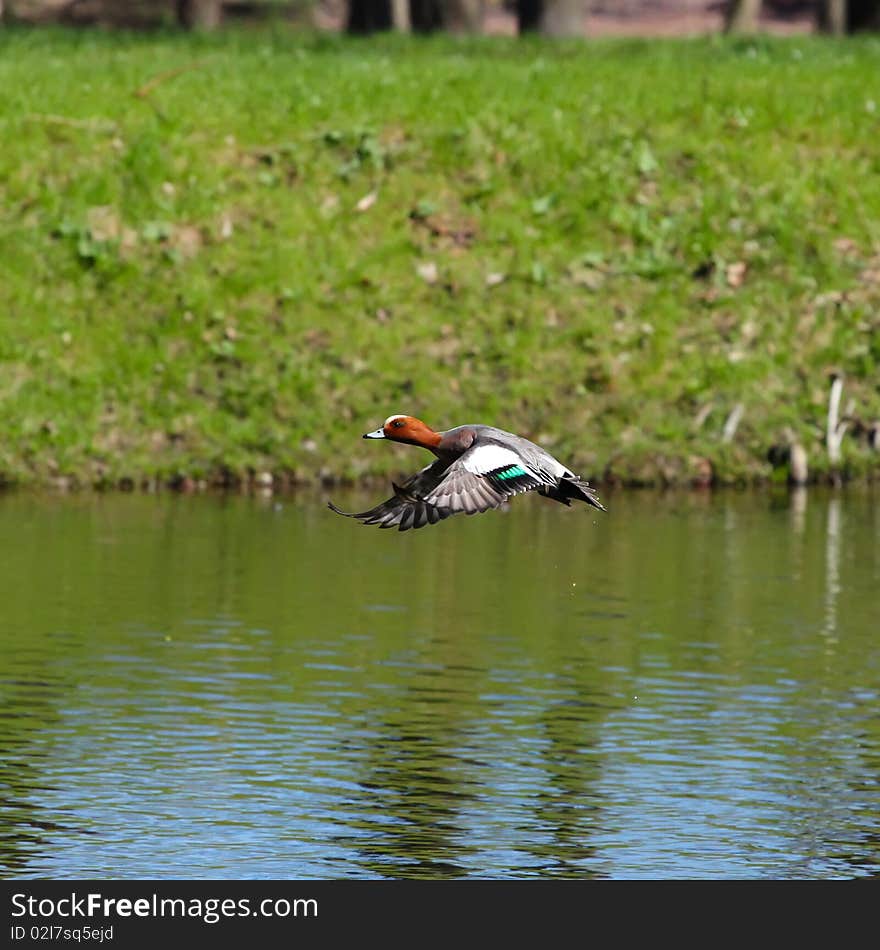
512	478
512	471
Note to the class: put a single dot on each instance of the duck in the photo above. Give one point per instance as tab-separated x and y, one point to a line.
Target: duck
478	467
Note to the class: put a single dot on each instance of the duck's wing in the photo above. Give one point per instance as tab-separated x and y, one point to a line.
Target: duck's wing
484	477
407	507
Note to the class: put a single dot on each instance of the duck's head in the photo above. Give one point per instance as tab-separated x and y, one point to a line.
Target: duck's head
406	429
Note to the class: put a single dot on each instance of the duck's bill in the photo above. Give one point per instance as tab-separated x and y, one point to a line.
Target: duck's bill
378	434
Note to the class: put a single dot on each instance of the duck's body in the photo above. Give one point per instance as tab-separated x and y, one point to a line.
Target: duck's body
478	467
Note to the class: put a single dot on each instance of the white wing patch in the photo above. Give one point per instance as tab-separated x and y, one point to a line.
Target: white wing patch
487	458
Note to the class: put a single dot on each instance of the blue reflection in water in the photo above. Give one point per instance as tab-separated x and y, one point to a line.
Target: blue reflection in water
194	688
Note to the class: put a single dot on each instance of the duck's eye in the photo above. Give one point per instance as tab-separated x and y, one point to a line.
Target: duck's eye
398	424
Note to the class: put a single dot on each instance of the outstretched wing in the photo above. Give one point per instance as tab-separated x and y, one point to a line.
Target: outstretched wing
407	507
484	477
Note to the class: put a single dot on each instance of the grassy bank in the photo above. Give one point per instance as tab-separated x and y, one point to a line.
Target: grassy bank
235	254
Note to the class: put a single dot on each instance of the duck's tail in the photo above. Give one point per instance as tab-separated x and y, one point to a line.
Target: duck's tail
571	488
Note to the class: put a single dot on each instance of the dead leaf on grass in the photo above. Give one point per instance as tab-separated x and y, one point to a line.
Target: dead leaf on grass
366	202
736	274
428	272
186	240
226	227
846	246
103	223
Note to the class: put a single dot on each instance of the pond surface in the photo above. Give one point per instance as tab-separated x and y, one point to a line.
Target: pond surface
687	686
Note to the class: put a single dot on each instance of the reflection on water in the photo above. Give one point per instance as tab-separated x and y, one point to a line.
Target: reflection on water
686	686
832	568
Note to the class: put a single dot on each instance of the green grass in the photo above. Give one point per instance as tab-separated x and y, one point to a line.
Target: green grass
605	246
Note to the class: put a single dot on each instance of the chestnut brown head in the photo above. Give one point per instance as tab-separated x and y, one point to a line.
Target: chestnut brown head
407	429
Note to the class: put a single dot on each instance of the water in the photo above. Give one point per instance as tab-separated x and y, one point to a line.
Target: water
684	687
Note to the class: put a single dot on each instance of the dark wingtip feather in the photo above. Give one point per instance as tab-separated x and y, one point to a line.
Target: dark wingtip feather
590	497
345	514
576	489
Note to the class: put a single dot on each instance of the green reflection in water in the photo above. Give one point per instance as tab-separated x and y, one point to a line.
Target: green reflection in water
198	687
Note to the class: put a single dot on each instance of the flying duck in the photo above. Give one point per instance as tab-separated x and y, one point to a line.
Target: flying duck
478	467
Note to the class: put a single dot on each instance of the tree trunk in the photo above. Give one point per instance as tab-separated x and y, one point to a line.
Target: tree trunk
457	16
551	17
847	16
831	17
528	15
368	16
463	16
400	18
863	15
562	18
200	14
418	16
425	15
741	16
